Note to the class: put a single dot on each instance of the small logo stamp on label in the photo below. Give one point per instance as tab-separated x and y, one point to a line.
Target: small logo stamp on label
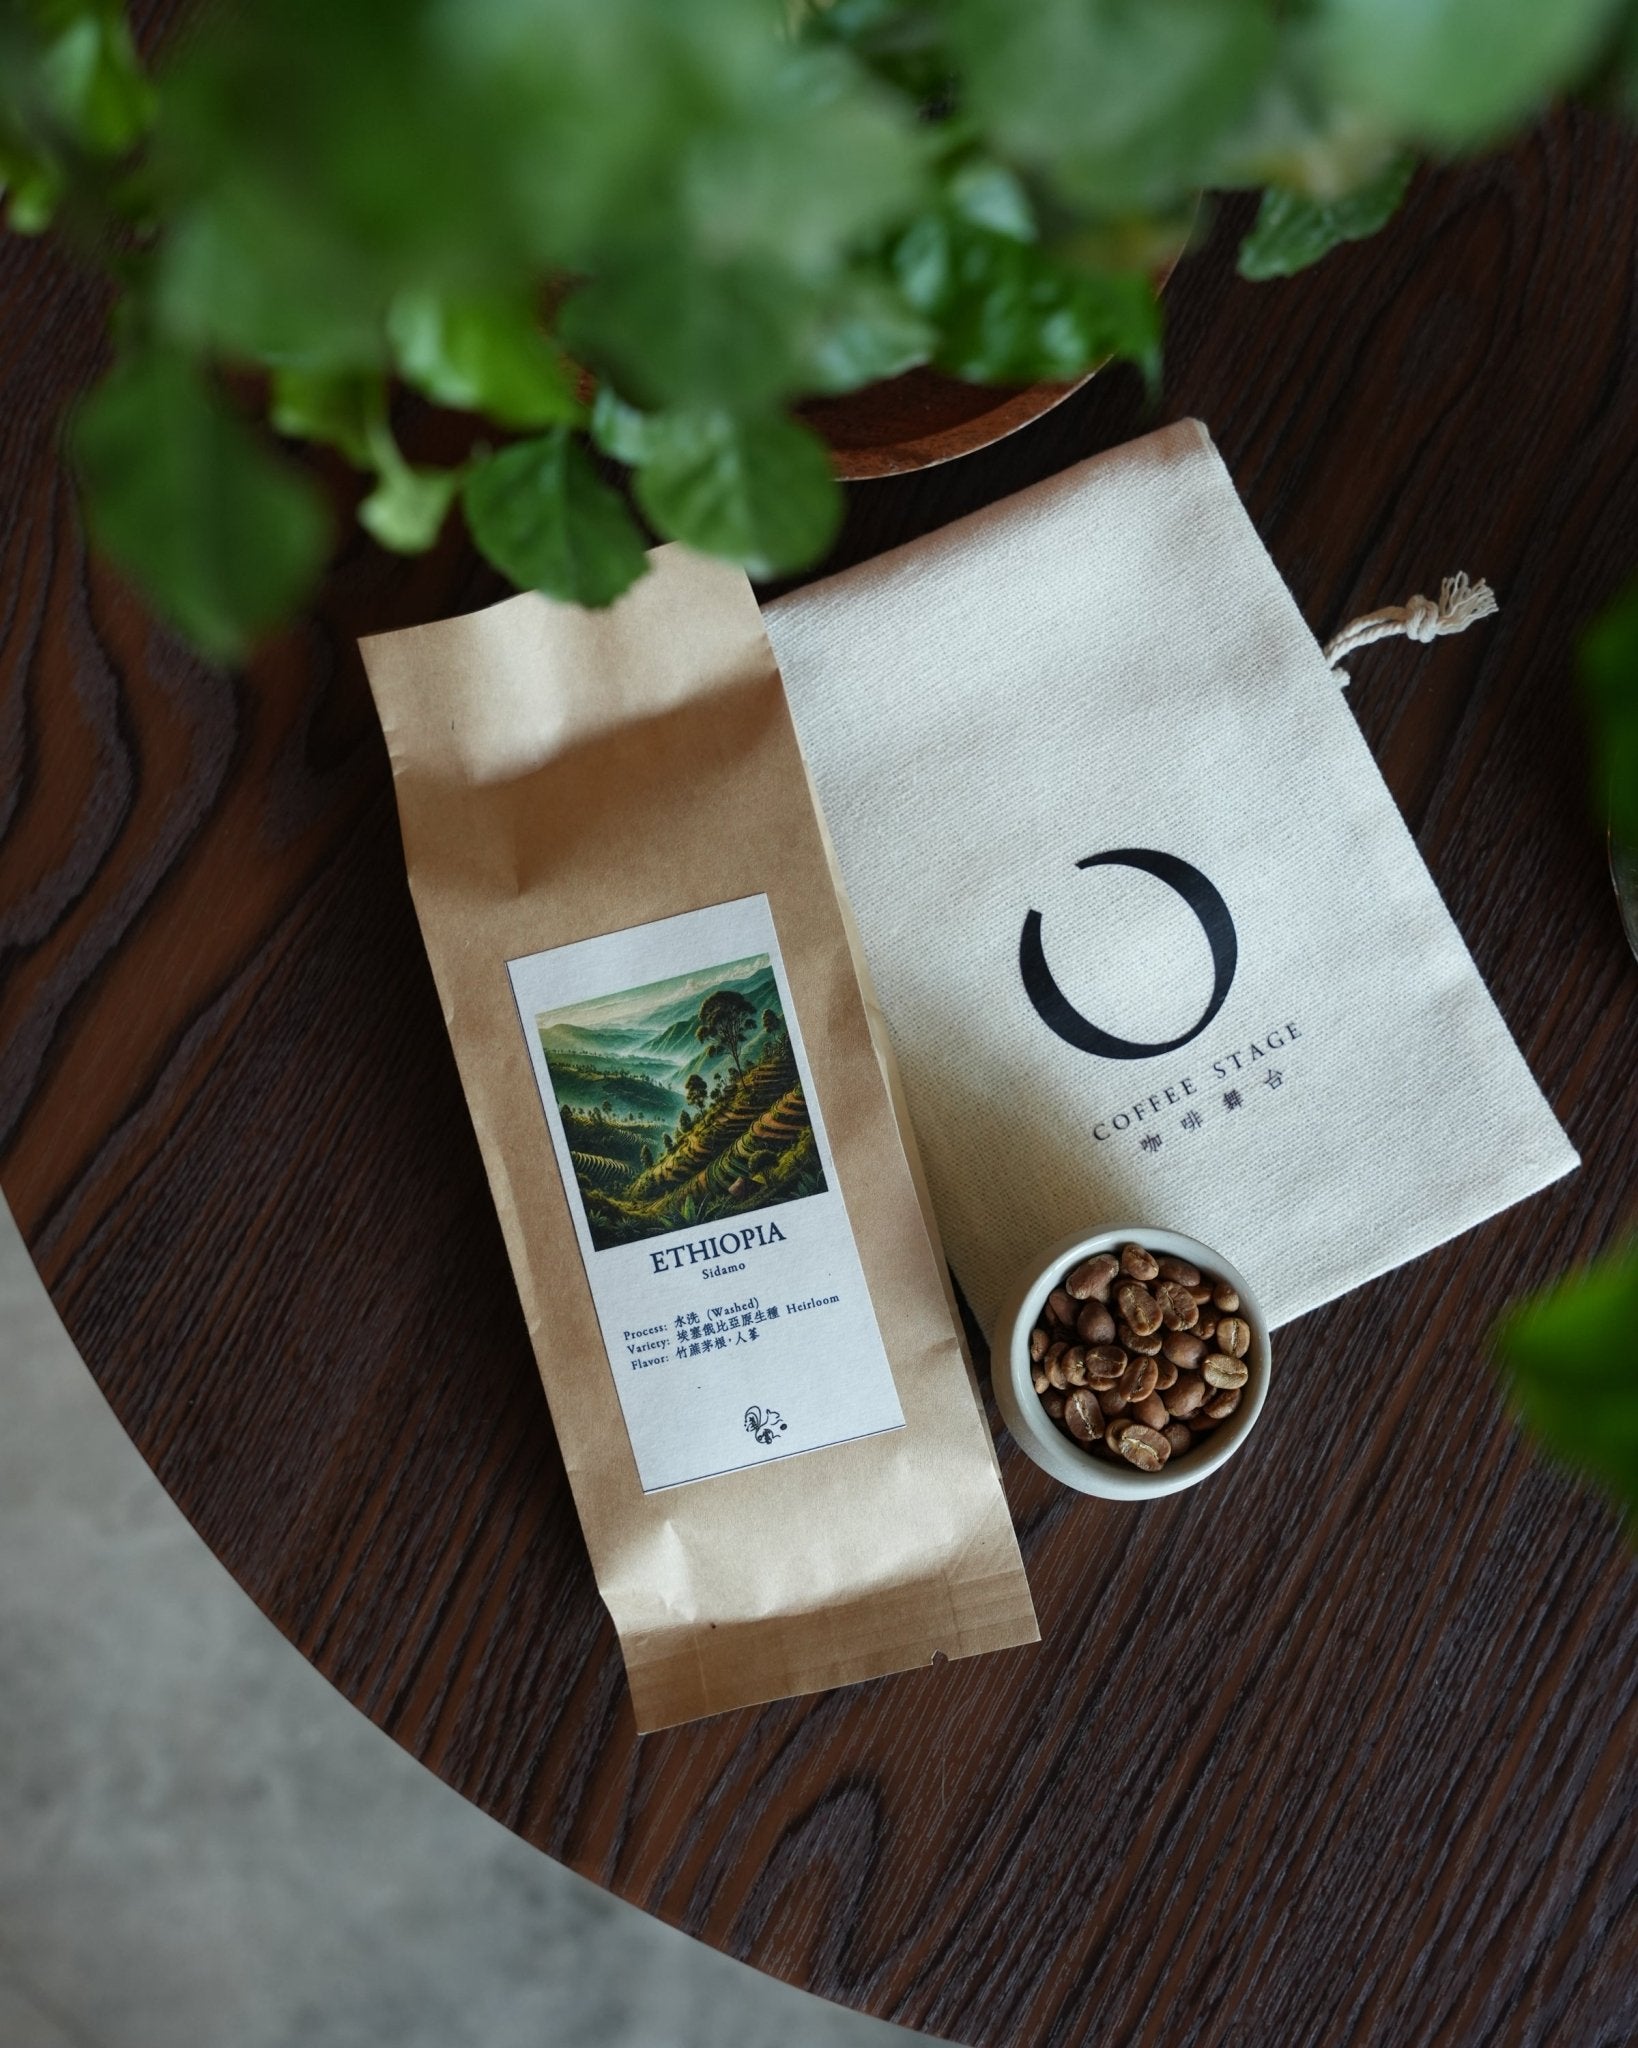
764	1423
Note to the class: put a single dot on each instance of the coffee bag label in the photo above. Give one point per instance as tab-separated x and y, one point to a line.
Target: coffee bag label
703	1193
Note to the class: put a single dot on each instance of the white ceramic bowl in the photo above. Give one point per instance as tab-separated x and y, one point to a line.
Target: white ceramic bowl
1041	1439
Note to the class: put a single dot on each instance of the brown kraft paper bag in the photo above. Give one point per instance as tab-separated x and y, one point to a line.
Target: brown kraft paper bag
734	1291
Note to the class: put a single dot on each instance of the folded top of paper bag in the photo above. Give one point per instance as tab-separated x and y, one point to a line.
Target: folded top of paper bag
1151	936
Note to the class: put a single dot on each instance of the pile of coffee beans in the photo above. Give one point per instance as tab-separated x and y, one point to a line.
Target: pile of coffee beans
1138	1356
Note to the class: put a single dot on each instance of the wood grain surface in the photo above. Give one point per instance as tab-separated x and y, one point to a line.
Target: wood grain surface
1335	1749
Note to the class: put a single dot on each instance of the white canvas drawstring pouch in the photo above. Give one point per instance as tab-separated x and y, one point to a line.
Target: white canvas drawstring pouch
1149	932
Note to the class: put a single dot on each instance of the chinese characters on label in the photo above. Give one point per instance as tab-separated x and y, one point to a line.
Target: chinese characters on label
1150	1118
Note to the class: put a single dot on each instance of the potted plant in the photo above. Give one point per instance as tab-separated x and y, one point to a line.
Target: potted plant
645	233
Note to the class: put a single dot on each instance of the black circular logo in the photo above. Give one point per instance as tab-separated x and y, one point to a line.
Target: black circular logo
1059	1014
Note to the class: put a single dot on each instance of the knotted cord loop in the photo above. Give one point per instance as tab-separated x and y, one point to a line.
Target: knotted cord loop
1461	604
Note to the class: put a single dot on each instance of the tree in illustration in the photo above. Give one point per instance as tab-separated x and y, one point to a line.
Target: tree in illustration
648	1155
695	1089
726	1021
772	1022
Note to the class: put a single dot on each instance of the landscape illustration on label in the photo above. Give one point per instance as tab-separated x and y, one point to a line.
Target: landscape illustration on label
681	1102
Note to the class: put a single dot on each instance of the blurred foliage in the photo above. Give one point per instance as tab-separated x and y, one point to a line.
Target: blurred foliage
1295	229
1609	681
644	231
186	497
1571	1360
1571	1354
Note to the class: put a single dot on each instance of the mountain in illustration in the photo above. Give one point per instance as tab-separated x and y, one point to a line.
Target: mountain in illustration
605	1045
664	1130
582	1083
680	1032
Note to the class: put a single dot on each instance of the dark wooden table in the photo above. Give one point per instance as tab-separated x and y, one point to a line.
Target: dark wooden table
1335	1749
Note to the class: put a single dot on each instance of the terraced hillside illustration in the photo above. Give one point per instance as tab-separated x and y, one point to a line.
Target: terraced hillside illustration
681	1102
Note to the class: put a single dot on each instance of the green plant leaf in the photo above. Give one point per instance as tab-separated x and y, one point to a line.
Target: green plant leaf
1570	1358
1454	72
1298	136
1609	682
485	355
991	196
539	511
408	507
680	330
1122	102
709	127
902	41
253	287
347	410
224	539
1009	313
620	429
349	149
32	186
94	84
756	489
1293	231
809	163
340	408
866	331
32	174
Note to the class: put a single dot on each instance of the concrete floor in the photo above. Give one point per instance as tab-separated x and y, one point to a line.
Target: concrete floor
203	1846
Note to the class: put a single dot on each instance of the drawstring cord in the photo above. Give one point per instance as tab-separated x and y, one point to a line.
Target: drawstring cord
1461	604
